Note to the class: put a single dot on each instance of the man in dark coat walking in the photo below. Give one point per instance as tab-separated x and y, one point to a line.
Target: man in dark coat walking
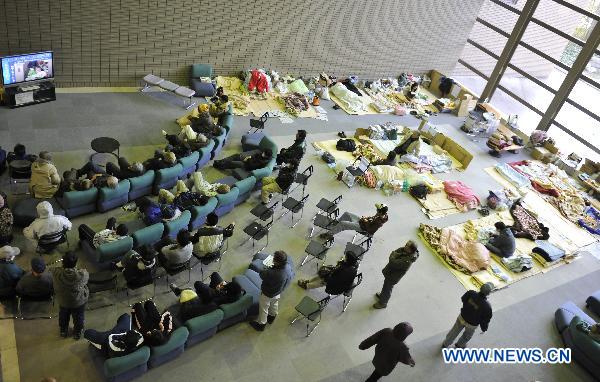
399	263
389	349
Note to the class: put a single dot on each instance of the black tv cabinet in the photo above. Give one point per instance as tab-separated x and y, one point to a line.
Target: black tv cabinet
17	97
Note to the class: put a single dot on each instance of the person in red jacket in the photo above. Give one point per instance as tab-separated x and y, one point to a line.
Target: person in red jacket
389	349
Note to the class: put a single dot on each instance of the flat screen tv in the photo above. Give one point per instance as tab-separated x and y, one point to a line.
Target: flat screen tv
23	68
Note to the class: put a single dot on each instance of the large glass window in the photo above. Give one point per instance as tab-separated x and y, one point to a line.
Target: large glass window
528	119
567	144
580	123
469	79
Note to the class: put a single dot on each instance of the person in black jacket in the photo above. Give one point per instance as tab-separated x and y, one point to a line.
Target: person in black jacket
155	327
476	311
125	170
274	281
118	341
279	184
137	266
398	264
389	349
248	160
337	279
160	160
295	152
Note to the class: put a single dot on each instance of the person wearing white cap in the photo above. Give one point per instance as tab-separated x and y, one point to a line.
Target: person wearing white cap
46	222
351	222
476	311
10	273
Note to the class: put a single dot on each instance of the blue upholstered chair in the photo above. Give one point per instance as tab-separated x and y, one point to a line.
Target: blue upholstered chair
148	235
203	327
24	210
226	202
189	164
245	188
176	225
127	367
251	141
76	203
141	185
171	350
205	154
219	143
250	282
166	178
199	213
109	198
235	312
202	88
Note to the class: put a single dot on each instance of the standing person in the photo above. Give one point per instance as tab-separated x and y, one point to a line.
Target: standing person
503	243
398	264
389	349
274	281
70	285
6	221
37	283
476	311
45	179
10	273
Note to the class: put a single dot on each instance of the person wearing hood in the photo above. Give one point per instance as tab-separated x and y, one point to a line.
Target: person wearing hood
476	311
6	221
46	222
37	283
71	289
118	341
389	349
503	243
398	264
10	273
125	170
45	179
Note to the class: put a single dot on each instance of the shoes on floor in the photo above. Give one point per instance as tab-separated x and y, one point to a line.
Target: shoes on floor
270	319
77	334
64	333
258	327
302	283
379	305
378	295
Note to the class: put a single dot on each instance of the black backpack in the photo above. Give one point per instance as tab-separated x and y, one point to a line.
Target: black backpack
419	191
346	145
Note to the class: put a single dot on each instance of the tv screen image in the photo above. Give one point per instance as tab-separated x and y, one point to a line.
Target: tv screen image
27	67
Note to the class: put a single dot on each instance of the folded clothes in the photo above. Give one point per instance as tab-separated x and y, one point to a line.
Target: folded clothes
483	277
518	263
548	251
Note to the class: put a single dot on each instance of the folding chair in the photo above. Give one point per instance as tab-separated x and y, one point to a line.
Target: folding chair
358	168
302	178
310	310
9	305
325	206
316	250
18	174
151	280
363	234
263	212
48	242
211	258
257	231
294	206
258	124
324	221
174	270
359	249
348	294
29	300
103	281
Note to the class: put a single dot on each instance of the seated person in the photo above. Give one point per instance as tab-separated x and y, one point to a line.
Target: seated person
156	212
279	184
70	182
181	197
46	222
44	180
10	273
155	327
20	153
125	170
503	243
37	283
218	106
112	232
160	160
390	160
295	152
203	123
207	188
411	90
118	341
336	279
172	254
209	238
402	148
6	221
137	266
93	173
248	160
177	146
591	330
195	140
352	222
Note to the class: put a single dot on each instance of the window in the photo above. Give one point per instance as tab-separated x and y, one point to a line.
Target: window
526	89
580	124
468	78
587	95
567	144
528	119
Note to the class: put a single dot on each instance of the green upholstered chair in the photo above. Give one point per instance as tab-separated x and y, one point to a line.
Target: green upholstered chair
176	225
148	235
235	312
107	252
226	202
141	185
76	203
199	213
110	198
127	367
203	327
267	144
189	164
261	173
245	187
171	350
205	154
166	178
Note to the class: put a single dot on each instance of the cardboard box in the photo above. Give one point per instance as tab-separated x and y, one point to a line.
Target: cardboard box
551	147
466	105
540	153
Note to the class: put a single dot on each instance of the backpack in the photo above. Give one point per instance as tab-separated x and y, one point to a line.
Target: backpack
346	145
419	191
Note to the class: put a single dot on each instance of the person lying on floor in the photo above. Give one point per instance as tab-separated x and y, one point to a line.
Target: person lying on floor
92	172
171	253
156	212
295	152
248	160
181	197
118	341
204	298
390	160
124	169
112	232
503	242
337	279
155	327
160	160
209	238
402	148
351	222
137	265
279	184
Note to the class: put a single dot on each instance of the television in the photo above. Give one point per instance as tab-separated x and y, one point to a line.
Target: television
27	68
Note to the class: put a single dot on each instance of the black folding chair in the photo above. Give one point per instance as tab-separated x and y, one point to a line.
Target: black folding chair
294	206
131	286
174	270
103	281
50	241
359	249
324	221
258	124
18	174
358	168
326	207
310	310
9	304
302	178
264	212
348	294
257	231
363	234
28	301
316	250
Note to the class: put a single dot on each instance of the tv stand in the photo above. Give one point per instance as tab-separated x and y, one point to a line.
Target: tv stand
30	94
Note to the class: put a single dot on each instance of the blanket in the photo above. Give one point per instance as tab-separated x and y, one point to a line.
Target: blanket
461	194
468	256
513	176
591	220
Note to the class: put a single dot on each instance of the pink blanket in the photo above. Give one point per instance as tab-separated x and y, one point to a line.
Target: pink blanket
461	194
464	255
